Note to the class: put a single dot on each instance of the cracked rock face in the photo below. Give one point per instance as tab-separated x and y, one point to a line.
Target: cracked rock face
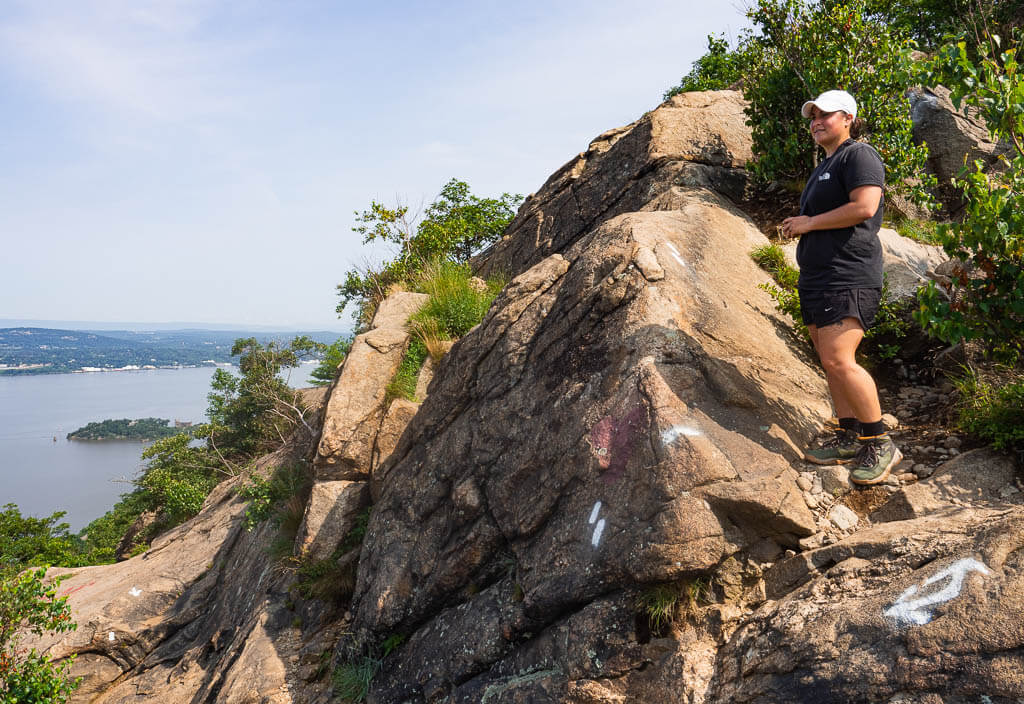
926	610
625	415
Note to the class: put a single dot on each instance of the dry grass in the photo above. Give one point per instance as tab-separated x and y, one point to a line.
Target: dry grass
429	333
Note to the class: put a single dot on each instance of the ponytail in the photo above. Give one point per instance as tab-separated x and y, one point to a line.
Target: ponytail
858	128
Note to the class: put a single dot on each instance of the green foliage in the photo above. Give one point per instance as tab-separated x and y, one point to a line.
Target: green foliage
885	338
178	477
882	340
267	497
993	409
928	21
351	680
403	385
718	69
807	49
334	354
254	412
456	301
771	258
454	227
659	604
27	603
985	300
923	231
28	542
125	429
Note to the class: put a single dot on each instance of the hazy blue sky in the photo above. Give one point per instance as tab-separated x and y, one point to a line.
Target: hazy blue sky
201	160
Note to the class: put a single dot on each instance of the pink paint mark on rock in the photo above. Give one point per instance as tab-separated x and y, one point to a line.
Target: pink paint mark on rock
71	590
614	440
601	440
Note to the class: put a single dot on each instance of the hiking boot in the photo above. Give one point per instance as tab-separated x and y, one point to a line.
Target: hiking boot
838	449
876	457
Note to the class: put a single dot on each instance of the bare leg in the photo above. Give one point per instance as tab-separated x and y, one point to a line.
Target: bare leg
853	390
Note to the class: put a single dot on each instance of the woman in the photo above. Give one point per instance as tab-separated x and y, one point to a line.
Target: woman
840	284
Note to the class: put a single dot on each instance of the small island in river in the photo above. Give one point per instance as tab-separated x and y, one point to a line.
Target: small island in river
126	429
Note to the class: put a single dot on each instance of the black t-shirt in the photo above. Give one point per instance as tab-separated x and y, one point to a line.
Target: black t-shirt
848	257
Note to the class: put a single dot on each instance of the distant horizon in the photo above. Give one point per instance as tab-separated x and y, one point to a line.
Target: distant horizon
135	326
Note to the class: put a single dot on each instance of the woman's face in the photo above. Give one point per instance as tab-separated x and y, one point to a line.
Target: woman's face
829	128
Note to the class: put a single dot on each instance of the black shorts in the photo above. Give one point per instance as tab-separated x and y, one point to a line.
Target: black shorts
820	308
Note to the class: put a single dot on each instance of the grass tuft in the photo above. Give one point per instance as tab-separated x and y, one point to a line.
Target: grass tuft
351	680
992	407
458	301
923	231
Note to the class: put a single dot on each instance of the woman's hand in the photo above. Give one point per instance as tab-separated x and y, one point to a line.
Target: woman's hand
798	225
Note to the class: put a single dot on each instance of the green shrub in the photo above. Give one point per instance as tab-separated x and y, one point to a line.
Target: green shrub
985	300
28	603
807	49
772	259
26	541
718	69
334	354
993	410
268	498
454	227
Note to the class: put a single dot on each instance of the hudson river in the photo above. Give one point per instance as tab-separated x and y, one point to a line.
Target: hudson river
43	475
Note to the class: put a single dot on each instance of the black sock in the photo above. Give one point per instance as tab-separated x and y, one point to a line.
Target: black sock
851	424
870	430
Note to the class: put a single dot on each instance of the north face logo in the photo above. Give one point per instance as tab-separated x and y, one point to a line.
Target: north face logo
825	176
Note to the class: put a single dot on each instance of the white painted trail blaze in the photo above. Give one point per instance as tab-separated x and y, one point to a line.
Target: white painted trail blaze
908	610
135	591
669	436
675	253
595	539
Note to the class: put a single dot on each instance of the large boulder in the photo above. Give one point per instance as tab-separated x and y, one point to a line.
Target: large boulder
358	397
955	138
625	415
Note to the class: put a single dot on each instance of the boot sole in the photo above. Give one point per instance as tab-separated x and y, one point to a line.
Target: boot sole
896	457
815	460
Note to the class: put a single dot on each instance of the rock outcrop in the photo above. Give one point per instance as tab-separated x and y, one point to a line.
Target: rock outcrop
360	428
955	138
200	616
626	417
600	499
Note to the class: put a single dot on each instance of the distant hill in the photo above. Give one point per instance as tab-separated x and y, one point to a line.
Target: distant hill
27	350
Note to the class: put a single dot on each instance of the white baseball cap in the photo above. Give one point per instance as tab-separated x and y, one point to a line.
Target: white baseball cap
830	101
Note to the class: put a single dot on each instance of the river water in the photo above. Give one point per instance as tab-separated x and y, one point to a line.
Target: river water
42	472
